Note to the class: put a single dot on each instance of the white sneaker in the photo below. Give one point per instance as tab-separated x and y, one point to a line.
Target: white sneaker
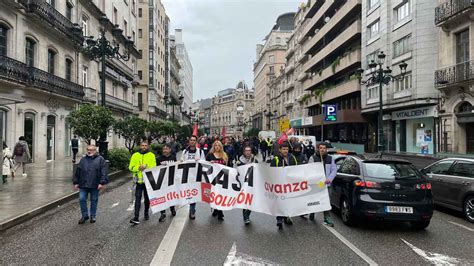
24	175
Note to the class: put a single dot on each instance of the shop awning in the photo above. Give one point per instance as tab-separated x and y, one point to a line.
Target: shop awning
6	99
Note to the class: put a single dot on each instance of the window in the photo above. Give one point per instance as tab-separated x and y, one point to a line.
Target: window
51	56
372	92
125	27
30	52
141	53
140	101
402	46
372	3
140	33
404	84
271	59
463	169
462	46
140	12
373	29
391	171
133	6
85	26
403	11
69	11
51	2
3	40
272	69
140	74
278	40
349	166
440	168
372	56
114	89
85	70
68	69
115	17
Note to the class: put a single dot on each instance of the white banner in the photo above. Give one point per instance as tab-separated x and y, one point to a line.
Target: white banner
277	191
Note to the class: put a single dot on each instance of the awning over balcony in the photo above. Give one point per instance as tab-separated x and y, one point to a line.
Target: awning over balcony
6	99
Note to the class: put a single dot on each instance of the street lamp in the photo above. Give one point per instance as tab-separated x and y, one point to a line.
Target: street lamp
101	48
269	114
380	76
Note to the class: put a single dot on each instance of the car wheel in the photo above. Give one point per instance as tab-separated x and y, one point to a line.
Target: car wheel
346	212
468	208
420	225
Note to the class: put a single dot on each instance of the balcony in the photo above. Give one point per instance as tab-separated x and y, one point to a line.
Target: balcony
455	74
345	61
452	9
290	84
117	104
48	13
16	71
90	95
336	92
317	17
345	36
345	10
289	103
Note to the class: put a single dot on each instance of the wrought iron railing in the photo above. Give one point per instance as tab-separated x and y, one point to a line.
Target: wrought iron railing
13	70
451	8
16	71
49	82
114	102
461	72
53	17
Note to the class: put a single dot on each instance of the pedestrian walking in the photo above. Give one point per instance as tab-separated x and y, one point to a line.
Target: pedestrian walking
263	149
90	177
309	150
244	159
8	165
284	158
21	155
330	170
164	159
192	153
141	160
74	148
219	156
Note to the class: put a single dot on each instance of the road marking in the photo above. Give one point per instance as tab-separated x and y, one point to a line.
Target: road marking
165	252
462	226
357	251
236	258
434	258
115	204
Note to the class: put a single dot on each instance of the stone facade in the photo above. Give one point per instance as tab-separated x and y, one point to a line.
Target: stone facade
185	72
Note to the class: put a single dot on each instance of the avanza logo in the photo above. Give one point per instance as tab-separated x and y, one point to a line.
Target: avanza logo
286	188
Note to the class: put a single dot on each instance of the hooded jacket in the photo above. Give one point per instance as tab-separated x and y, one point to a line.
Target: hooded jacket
138	158
91	172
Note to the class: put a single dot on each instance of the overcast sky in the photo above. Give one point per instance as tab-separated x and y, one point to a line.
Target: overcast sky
221	35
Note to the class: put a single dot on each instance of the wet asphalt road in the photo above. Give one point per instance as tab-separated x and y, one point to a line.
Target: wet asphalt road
56	238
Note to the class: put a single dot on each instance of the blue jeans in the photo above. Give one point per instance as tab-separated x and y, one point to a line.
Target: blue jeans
83	201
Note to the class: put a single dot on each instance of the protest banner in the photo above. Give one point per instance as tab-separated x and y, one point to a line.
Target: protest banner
277	191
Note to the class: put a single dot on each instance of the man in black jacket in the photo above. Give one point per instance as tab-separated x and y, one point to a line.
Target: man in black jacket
90	177
163	160
284	158
246	158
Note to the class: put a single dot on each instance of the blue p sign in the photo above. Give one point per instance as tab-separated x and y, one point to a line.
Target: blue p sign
330	113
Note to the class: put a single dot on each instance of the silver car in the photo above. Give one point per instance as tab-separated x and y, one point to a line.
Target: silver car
452	184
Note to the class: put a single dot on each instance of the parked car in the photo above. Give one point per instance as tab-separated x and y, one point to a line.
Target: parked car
382	189
452	182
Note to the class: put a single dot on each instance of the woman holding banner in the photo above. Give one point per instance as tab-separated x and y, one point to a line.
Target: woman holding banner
217	155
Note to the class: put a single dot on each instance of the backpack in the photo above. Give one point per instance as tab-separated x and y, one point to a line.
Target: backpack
19	149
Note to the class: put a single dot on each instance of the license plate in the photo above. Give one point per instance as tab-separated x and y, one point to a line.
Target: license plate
398	209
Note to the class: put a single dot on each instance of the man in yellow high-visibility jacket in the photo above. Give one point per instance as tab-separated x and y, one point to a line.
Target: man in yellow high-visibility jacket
141	160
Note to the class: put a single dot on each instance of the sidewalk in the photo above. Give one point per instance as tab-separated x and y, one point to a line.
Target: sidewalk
46	184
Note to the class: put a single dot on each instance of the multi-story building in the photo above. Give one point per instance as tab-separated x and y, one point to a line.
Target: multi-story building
186	71
276	112
175	81
270	60
404	31
152	21
454	77
331	45
41	62
203	109
232	108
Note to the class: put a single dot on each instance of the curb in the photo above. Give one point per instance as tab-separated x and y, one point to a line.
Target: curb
50	205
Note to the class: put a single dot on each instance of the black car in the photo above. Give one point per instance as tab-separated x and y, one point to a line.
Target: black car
381	189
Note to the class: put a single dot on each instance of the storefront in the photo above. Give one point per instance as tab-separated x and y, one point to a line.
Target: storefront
302	125
414	130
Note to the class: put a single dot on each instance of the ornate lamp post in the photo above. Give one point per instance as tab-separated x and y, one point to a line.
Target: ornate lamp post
101	48
380	76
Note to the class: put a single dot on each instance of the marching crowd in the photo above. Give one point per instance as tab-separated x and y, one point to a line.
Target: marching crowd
91	176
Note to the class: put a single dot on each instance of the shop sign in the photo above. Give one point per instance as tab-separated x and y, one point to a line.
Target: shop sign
428	111
296	122
307	121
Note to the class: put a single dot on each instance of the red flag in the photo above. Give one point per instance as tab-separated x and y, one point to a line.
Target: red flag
195	129
284	136
223	132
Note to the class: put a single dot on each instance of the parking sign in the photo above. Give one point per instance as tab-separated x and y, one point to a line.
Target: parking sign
330	112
